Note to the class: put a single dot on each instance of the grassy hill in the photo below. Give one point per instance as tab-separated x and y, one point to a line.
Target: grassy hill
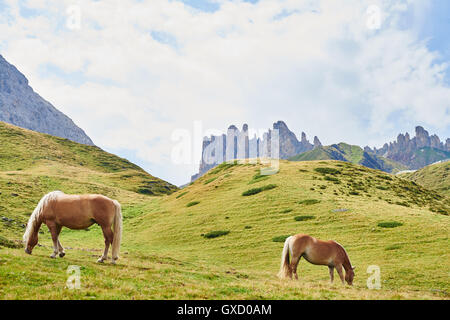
219	238
32	164
350	153
426	155
434	177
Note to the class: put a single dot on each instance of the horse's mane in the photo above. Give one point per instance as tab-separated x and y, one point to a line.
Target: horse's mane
346	258
36	215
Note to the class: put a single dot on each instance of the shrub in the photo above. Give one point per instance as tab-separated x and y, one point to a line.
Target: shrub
331	179
210	180
223	166
287	210
247	227
405	204
193	203
440	210
280	238
181	194
308	202
215	234
384	177
390	224
303	218
354	193
258	177
269	187
325	170
393	247
9	244
145	190
253	191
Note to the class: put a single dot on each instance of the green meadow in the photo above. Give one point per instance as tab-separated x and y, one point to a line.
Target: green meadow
221	237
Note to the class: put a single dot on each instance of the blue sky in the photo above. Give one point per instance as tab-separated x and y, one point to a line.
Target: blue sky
137	73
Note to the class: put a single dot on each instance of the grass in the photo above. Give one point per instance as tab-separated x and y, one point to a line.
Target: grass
163	256
8	243
435	177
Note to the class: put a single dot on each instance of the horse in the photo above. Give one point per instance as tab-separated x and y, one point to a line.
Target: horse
318	252
57	209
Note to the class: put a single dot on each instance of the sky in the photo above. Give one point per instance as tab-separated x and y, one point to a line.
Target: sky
146	79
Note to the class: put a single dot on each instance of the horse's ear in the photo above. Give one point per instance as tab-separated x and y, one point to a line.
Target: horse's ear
353	268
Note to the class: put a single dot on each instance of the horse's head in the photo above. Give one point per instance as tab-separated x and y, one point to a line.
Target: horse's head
349	275
31	243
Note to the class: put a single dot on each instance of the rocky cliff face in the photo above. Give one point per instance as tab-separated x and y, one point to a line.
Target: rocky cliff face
415	152
21	106
237	144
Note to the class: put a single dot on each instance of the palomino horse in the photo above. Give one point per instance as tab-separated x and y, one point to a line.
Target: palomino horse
327	253
58	210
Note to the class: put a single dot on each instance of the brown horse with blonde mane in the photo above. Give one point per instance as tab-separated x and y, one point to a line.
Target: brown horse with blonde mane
78	212
318	252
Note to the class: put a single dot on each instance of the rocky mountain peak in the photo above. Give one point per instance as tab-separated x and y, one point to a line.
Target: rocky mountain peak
238	145
21	106
317	142
417	152
422	137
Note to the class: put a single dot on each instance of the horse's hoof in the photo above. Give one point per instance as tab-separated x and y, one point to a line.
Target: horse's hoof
52	257
100	260
62	254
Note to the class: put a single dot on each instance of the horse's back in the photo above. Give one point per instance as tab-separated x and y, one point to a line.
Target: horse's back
314	250
81	211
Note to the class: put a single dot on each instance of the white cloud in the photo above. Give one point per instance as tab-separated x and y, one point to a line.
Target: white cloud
314	64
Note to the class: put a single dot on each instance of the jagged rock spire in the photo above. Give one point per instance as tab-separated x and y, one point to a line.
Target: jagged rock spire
237	145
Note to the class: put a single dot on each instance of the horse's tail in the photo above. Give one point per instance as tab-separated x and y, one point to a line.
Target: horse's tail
117	230
285	270
37	213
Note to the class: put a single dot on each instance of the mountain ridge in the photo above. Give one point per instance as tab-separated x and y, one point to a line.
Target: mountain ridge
405	153
20	105
416	152
237	144
350	153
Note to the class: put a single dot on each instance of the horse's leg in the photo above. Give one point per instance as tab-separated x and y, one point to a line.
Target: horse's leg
109	235
294	265
54	232
60	247
331	273
341	274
